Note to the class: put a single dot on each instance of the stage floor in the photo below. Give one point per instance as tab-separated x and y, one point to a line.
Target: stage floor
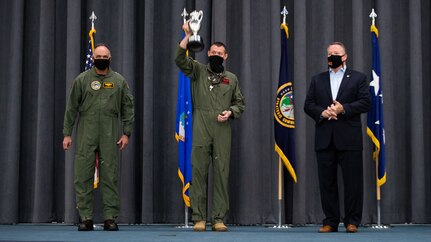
62	232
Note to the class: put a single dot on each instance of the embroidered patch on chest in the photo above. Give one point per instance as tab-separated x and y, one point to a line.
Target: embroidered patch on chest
225	81
108	85
95	85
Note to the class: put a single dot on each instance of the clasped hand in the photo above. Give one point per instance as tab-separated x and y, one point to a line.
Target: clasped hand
333	110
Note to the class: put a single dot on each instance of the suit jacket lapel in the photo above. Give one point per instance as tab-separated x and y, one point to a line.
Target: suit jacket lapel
344	82
327	83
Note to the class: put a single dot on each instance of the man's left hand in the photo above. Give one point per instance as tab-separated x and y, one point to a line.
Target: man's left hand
224	116
123	142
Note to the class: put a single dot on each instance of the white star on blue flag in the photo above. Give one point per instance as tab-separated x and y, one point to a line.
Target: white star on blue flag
88	61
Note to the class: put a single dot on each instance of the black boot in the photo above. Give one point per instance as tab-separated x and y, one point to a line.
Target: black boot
86	225
110	225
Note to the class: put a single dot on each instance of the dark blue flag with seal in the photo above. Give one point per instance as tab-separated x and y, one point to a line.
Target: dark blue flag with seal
284	119
375	123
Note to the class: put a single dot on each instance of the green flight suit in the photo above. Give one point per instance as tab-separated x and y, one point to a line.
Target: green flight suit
211	95
99	100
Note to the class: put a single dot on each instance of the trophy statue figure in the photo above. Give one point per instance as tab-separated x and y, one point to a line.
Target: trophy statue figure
196	42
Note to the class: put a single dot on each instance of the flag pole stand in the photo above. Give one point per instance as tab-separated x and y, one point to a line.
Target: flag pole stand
184	14
379	225
186	219
376	63
280	196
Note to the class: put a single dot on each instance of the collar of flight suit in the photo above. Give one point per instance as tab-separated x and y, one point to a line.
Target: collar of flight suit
109	74
211	71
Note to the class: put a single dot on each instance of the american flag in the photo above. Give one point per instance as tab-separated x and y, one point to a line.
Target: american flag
88	61
88	66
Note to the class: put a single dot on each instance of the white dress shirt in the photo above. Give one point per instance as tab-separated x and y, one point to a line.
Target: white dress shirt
336	78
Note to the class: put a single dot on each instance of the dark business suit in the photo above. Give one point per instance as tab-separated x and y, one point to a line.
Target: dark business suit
339	142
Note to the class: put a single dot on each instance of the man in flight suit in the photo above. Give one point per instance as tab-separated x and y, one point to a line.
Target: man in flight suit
216	98
100	96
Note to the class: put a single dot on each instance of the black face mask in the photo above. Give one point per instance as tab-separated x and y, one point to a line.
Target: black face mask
216	63
335	61
101	64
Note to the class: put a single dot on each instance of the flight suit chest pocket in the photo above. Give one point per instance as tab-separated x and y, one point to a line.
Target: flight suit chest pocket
107	95
110	100
108	89
226	87
90	96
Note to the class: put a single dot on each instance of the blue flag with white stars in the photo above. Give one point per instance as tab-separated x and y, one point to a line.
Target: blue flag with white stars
88	61
375	123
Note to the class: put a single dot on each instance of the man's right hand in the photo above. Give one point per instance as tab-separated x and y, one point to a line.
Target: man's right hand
329	114
67	142
186	28
185	41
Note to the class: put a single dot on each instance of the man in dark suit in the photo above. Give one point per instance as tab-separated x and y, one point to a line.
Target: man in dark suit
335	100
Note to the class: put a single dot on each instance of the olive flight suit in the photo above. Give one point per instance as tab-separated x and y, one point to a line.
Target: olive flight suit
99	100
211	95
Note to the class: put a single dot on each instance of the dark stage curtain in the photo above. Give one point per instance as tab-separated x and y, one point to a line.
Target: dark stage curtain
42	49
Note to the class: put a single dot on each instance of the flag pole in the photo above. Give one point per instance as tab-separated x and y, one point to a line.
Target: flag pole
186	218
378	191
184	14
284	12
280	194
87	65
379	225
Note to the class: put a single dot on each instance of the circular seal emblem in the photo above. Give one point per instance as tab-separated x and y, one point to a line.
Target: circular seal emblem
95	85
284	111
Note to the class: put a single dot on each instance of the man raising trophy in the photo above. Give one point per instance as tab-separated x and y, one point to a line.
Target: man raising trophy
217	100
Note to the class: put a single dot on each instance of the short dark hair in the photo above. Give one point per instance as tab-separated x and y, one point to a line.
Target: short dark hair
219	44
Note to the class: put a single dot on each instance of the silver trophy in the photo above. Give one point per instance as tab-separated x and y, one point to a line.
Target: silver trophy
196	42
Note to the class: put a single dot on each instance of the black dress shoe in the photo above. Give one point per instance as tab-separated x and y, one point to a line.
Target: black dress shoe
110	225
86	225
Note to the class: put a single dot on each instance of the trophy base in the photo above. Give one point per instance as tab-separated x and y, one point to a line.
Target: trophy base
196	43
